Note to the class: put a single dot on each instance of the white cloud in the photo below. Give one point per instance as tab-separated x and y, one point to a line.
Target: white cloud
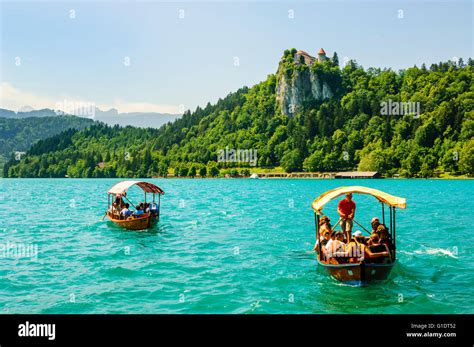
14	99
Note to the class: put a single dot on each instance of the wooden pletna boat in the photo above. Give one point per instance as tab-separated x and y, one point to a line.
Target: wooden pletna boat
359	271
134	222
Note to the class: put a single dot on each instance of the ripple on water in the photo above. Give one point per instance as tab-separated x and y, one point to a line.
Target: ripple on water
228	246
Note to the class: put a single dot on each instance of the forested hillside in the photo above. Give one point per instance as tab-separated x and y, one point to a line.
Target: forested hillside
18	134
347	128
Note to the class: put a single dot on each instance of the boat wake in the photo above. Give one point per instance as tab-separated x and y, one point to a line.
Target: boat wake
433	251
438	251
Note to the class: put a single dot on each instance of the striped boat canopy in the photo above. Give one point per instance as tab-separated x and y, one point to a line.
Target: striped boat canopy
122	187
388	199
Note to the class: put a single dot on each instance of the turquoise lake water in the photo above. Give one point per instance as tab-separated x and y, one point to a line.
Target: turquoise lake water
226	246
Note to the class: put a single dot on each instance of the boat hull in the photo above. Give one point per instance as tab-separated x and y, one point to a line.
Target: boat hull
141	223
358	273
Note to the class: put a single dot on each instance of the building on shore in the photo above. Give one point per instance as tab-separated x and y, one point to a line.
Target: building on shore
358	174
296	175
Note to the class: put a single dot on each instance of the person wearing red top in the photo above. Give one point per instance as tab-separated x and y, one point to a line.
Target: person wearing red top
346	210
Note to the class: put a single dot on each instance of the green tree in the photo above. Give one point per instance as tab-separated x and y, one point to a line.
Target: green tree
212	169
314	162
202	171
184	170
162	169
466	158
335	59
192	171
292	161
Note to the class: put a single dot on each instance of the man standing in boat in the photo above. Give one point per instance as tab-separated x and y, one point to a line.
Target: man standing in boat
346	210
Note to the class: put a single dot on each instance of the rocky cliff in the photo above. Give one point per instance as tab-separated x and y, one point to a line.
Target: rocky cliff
300	84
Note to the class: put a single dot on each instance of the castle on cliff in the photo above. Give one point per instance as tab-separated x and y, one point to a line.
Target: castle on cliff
304	57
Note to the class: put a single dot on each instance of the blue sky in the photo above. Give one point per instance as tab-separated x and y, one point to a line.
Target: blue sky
178	63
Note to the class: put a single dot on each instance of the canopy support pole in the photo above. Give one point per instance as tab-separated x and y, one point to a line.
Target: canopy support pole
159	204
391	221
383	213
394	237
316	221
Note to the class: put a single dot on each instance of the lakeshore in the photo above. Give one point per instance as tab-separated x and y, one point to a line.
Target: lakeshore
261	174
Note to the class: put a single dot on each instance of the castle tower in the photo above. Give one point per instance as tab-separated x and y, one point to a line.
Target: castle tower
322	55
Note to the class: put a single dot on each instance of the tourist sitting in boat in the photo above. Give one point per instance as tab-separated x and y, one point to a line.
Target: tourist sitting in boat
375	252
139	210
118	203
324	226
144	207
381	229
118	200
336	248
374	237
385	239
324	241
359	238
346	210
375	222
126	212
355	248
153	208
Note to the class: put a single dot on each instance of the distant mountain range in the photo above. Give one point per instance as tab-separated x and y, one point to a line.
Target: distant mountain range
110	117
24	113
136	119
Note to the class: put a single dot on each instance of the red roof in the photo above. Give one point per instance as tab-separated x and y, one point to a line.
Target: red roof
122	187
321	51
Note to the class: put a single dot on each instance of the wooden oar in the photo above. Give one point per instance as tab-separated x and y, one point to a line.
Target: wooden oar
131	203
368	232
335	225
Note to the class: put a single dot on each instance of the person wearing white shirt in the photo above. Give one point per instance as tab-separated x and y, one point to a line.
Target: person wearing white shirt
335	246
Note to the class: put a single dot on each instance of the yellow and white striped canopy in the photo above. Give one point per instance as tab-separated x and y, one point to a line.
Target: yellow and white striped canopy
122	187
388	199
